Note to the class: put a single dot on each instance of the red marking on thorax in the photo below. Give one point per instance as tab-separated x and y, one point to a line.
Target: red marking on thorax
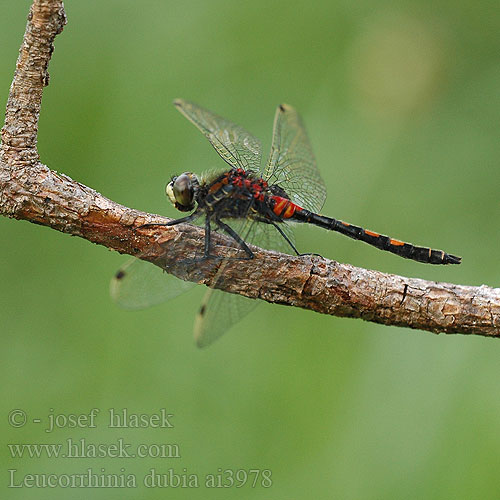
218	185
215	187
243	180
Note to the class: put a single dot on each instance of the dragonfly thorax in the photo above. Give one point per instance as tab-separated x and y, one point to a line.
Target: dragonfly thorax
182	190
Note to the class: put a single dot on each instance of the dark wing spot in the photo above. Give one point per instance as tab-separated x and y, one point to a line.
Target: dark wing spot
282	108
202	310
120	274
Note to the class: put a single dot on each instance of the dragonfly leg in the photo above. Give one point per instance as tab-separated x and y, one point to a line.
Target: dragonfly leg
236	237
206	250
206	246
188	218
287	239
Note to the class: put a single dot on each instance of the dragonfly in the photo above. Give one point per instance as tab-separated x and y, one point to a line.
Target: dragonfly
252	204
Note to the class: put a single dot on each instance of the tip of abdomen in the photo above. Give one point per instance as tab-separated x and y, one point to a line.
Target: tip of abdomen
451	259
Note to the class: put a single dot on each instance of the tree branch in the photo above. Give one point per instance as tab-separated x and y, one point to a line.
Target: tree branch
46	19
31	191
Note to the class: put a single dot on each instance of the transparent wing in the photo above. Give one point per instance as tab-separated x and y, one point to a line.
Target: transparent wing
267	236
234	144
291	162
139	284
220	310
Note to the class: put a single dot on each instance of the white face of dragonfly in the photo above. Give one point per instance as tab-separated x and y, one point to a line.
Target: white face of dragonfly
181	191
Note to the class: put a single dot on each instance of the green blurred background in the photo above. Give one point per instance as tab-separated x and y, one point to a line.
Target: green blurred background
402	105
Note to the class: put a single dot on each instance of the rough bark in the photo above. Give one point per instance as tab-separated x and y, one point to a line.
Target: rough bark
30	190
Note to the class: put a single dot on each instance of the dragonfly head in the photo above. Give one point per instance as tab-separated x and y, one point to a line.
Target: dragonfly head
182	190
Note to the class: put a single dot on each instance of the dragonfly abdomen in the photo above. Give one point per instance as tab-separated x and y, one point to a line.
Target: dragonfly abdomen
401	248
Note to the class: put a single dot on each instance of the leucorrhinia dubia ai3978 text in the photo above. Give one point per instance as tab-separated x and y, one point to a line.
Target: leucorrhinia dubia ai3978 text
251	204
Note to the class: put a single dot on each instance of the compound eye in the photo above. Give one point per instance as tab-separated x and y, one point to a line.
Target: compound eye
170	191
180	192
